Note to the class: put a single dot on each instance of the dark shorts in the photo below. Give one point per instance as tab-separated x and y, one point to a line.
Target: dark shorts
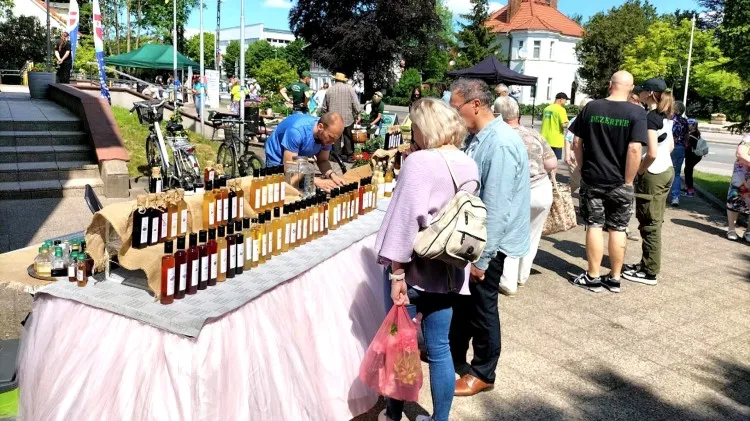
558	152
607	206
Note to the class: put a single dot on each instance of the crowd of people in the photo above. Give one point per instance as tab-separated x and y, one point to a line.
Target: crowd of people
624	152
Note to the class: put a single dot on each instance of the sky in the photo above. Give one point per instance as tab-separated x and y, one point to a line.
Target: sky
275	13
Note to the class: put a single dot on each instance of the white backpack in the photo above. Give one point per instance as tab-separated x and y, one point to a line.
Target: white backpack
458	233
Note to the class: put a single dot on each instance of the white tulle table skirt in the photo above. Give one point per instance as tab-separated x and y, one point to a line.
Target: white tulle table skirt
291	354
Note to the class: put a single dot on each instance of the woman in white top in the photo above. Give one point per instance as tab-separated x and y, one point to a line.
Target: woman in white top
654	180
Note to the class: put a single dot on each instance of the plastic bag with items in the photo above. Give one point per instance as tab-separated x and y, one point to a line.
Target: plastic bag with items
391	364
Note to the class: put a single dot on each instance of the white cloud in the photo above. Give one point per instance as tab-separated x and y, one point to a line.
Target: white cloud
277	4
464	6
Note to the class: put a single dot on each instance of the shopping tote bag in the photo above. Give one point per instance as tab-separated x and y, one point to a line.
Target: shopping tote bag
391	364
562	214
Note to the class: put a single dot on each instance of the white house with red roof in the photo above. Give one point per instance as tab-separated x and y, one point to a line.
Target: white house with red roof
38	9
538	40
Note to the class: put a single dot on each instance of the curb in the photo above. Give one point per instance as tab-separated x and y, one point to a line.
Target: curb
708	197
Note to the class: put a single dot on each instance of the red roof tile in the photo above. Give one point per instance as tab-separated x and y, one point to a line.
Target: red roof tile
533	15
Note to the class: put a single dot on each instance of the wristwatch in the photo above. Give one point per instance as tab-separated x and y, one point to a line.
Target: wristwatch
396	278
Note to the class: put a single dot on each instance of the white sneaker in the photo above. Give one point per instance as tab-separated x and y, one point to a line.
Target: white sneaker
383	417
732	236
676	202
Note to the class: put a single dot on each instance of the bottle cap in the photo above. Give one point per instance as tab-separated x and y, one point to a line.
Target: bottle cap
212	233
83	245
193	239
57	242
245	222
41	249
168	247
222	232
276	212
238	226
230	228
262	218
256	172
181	242
268	215
262	172
209	185
202	236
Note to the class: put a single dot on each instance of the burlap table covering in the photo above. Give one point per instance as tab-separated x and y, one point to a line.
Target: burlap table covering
119	217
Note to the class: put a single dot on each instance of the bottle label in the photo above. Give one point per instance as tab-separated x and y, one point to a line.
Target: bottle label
322	221
170	281
173	230
223	261
311	224
287	233
282	192
263	245
155	222
248	249
270	190
304	229
263	195
158	185
352	208
183	222
214	266
336	210
242	207
72	270
183	276
316	223
232	256
269	241
257	199
225	212
194	273
276	192
299	230
235	207
219	209
356	205
389	187
211	213
381	190
256	256
80	274
279	238
204	268
163	231
292	233
240	255
327	215
144	231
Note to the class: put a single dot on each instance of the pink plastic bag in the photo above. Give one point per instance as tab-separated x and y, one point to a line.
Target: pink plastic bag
391	364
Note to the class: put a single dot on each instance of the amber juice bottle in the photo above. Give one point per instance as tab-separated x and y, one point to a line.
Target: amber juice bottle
287	229
271	176
247	244
224	201
262	239
278	186
231	240
183	210
292	225
269	235
221	247
240	199
209	206
213	257
362	197
180	263
204	264
194	265
232	197
263	190
278	231
254	198
302	223
256	240
164	222
166	295
323	215
208	173
219	202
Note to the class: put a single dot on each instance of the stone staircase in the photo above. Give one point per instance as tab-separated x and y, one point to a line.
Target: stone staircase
44	153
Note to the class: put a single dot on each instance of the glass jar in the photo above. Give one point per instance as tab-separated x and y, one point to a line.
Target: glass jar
300	173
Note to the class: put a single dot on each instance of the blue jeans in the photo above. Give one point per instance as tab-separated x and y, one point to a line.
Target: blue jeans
198	102
437	312
678	157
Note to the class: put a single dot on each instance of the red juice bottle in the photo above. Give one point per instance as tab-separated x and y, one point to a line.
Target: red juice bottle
194	265
231	250
213	258
166	295
203	254
181	273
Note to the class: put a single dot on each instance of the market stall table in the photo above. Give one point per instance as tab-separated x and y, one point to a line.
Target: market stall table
290	352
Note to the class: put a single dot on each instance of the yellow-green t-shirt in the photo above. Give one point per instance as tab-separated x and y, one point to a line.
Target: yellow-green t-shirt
553	118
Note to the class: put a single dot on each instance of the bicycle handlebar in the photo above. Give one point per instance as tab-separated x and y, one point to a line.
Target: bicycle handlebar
149	104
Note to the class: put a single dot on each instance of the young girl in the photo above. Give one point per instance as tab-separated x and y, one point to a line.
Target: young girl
691	159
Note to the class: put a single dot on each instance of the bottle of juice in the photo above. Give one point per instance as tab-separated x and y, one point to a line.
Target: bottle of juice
173	218
223	255
231	250
82	270
233	205
255	190
209	206
208	173
155	182
240	199
277	185
164	225
139	238
262	238
323	216
224	201
239	239
154	219
213	257
183	210
204	264
389	183
219	202
278	231
180	263
194	265
287	229
292	225
256	234
269	236
248	244
263	190
43	263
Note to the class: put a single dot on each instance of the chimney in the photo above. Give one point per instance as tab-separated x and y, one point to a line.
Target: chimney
513	7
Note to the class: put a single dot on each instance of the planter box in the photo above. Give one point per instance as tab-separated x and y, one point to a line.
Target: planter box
39	83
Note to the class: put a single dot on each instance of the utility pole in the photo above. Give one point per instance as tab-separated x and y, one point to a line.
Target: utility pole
217	48
242	68
174	46
201	82
49	42
690	56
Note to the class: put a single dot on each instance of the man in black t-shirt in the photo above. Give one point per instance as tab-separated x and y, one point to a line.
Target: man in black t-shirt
609	136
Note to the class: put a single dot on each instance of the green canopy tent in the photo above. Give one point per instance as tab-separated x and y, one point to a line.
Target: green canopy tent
151	56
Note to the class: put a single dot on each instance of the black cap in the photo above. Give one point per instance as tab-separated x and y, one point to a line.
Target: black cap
261	218
256	172
57	242
222	232
246	222
193	239
561	95
168	247
230	228
254	220
262	172
198	185
212	233
202	236
181	242
654	84
209	185
276	212
238	226
268	215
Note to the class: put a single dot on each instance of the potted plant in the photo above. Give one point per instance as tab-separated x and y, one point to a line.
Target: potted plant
718	118
39	80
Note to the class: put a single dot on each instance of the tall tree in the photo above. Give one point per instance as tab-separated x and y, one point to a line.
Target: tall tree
475	41
29	41
296	54
577	18
193	49
231	57
272	74
433	60
606	35
256	53
734	40
363	35
714	11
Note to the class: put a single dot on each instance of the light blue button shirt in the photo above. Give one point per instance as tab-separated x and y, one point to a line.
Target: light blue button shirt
504	171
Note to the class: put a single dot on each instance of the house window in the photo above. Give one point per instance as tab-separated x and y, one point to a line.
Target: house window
537	49
520	47
549	89
551	49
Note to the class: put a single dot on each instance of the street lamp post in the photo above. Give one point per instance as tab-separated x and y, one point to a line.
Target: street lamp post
242	69
49	41
174	46
201	82
690	56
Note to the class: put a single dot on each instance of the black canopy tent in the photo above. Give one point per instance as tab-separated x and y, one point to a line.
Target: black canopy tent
493	72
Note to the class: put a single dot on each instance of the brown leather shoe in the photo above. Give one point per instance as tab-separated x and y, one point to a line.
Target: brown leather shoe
469	385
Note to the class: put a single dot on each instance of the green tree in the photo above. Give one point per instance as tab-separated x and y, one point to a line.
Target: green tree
296	55
257	53
86	54
274	73
606	35
409	80
25	40
475	41
734	40
231	58
363	35
193	49
577	18
440	46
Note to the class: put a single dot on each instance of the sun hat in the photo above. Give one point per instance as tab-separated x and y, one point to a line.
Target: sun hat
340	77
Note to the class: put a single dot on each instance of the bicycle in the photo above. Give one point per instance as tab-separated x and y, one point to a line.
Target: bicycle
235	154
185	171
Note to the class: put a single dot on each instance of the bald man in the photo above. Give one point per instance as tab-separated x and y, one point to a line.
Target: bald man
308	136
609	136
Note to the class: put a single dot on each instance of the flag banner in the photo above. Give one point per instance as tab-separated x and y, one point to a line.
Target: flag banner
99	48
73	28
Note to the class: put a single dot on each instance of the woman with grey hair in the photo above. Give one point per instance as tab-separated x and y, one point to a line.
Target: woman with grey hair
542	161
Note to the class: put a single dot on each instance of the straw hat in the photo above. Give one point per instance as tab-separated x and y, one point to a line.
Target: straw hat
340	77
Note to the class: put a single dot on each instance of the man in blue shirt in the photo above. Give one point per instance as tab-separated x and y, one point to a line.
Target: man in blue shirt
308	136
503	165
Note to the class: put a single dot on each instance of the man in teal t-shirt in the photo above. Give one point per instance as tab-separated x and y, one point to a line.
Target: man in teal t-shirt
554	124
300	93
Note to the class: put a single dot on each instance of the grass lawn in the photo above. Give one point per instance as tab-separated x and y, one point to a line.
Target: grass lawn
134	134
717	185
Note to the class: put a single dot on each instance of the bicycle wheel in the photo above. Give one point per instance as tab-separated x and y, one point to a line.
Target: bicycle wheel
254	161
228	158
153	157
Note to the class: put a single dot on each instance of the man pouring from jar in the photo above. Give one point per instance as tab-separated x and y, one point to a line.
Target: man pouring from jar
307	136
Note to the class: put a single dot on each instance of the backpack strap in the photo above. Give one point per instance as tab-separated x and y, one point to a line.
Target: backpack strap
456	186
